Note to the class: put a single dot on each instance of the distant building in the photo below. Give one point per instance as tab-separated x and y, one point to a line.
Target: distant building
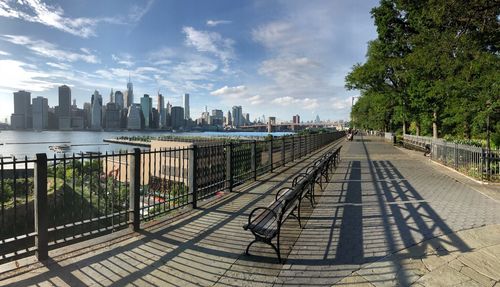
237	116
64	101
296	119
64	108
21	118
186	107
40	113
229	120
87	115
168	118
118	99
96	111
317	120
134	117
177	117
160	106
112	116
272	120
246	118
146	107
155	119
129	99
217	118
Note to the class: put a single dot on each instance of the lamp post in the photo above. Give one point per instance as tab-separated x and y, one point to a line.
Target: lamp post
488	147
352	105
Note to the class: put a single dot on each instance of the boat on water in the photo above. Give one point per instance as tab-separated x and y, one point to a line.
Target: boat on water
59	148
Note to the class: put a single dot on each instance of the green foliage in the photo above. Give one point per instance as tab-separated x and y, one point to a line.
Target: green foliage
433	62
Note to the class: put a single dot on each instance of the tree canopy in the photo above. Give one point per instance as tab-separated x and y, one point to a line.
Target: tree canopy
434	68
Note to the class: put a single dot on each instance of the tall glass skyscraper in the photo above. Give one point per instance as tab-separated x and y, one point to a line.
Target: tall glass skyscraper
186	107
129	100
147	107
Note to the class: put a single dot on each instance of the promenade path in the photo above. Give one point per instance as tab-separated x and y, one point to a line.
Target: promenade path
387	217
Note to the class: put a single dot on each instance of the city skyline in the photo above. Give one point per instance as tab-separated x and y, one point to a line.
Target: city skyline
221	53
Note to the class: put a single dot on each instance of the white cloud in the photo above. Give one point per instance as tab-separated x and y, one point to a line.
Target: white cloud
50	50
3	53
229	91
339	103
137	12
291	72
53	16
124	59
277	35
256	100
305	103
211	42
17	75
213	23
60	66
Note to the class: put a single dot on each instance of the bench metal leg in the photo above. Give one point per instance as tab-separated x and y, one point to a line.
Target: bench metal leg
268	242
248	247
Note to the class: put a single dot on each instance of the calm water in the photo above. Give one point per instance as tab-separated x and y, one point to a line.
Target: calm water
21	143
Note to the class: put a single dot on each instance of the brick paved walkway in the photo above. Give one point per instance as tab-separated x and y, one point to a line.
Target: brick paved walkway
377	203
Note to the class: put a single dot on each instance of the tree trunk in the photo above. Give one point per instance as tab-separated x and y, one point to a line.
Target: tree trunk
418	129
404	127
434	125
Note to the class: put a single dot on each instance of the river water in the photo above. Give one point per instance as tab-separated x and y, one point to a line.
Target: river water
29	143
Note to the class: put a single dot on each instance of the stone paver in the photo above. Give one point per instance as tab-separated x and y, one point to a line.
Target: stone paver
386	218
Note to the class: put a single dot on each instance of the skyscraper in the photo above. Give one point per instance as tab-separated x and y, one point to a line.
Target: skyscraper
161	110
64	101
40	113
186	107
119	99
177	117
146	107
64	109
130	94
20	119
296	119
96	111
237	116
134	117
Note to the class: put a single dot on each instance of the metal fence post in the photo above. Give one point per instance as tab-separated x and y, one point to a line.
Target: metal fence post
455	155
293	148
253	158
271	153
229	167
134	193
41	208
192	175
283	151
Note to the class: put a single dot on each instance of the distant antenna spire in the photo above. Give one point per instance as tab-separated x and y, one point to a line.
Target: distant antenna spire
129	77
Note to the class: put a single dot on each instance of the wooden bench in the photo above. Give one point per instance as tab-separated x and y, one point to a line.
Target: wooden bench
265	222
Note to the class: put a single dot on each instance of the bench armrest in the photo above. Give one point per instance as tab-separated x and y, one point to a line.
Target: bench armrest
245	227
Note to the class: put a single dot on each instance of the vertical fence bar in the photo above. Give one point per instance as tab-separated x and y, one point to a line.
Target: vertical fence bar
271	153
134	193
293	148
41	207
282	151
253	158
229	167
192	175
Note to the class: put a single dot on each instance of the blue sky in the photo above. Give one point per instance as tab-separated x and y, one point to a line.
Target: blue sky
275	58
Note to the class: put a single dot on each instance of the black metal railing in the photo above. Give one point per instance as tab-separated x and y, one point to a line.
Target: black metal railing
46	203
477	162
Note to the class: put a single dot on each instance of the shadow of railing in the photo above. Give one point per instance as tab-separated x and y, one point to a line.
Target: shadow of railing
192	240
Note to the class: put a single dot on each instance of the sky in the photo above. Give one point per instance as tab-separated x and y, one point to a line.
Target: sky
274	58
